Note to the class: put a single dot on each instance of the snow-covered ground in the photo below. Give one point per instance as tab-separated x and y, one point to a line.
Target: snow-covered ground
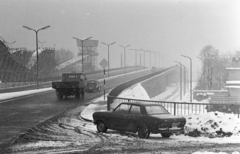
213	127
4	96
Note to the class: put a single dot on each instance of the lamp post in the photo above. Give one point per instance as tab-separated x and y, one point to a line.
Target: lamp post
136	56
155	59
180	79
140	59
144	57
150	58
190	76
82	48
36	31
42	43
108	54
124	57
159	58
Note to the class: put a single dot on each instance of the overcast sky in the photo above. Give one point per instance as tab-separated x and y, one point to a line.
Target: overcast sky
172	27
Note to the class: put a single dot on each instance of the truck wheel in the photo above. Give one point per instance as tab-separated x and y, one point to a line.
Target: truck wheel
82	93
77	96
60	96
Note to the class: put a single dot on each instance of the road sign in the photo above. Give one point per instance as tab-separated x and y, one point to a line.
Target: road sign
104	63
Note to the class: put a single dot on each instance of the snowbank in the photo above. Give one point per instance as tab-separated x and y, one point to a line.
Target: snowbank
134	92
11	95
212	124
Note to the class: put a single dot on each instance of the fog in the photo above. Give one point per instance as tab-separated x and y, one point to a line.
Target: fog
169	27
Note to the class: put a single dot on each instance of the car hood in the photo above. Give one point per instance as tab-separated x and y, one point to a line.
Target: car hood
168	117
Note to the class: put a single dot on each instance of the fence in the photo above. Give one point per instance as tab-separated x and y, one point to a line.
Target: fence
183	108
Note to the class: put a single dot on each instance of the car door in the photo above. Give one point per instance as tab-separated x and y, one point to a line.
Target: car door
119	115
134	117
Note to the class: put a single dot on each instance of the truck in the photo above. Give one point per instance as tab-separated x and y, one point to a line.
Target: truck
72	84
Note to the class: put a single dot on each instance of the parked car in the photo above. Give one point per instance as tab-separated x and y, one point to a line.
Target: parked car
140	117
93	86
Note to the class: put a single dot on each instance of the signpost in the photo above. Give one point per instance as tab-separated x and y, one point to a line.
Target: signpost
104	64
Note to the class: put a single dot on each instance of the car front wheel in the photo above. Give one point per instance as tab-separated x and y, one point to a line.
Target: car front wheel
166	135
101	127
143	132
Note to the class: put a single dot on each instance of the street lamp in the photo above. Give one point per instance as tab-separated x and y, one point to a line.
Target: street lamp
82	48
36	31
150	57
155	59
144	57
42	43
136	56
108	54
190	76
124	57
180	79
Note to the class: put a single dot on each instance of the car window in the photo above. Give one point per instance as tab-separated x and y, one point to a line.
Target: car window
135	110
123	108
156	109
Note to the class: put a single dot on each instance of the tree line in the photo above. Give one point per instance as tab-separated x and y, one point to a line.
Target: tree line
213	73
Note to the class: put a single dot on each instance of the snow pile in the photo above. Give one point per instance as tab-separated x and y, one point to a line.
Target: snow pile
214	153
11	95
212	124
134	92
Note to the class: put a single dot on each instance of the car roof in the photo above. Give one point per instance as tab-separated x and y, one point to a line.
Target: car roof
142	103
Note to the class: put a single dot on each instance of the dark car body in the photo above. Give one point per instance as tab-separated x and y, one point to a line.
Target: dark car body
93	86
143	118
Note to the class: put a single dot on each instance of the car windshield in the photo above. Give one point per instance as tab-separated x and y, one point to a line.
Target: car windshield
156	109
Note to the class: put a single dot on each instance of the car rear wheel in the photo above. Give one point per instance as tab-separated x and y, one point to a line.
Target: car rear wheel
101	127
166	135
143	132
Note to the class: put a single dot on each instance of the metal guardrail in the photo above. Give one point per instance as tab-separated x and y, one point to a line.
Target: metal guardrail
184	108
47	79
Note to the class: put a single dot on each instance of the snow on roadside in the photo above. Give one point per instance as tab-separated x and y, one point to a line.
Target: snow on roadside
214	152
134	92
4	96
212	124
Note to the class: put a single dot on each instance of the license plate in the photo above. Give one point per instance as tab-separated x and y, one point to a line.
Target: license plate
175	124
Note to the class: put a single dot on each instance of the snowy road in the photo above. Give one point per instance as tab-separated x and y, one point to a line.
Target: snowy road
69	134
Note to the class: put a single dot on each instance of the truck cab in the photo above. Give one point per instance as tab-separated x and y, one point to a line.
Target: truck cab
69	77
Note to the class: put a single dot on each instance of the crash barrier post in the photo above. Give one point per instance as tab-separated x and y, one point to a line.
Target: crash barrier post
187	108
174	108
117	90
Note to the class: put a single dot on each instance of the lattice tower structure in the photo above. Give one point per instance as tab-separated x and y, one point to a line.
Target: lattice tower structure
46	64
11	69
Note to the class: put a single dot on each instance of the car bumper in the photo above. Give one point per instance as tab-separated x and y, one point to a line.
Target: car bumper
168	130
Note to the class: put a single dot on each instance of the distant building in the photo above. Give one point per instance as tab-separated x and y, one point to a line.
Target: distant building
233	83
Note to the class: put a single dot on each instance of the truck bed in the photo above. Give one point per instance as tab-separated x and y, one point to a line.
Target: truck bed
65	85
